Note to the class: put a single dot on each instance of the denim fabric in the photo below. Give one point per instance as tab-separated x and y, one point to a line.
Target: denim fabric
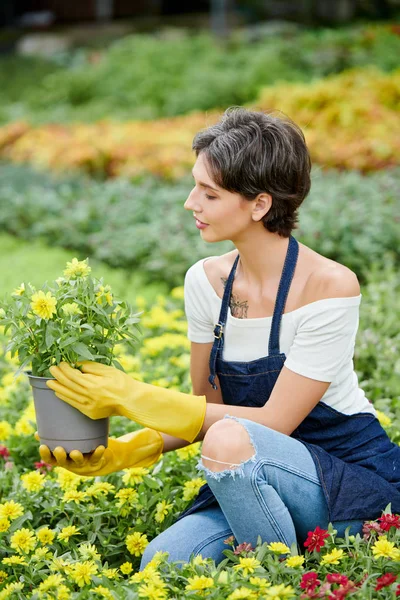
278	486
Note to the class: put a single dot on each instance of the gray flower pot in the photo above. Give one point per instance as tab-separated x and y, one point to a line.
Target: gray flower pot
59	424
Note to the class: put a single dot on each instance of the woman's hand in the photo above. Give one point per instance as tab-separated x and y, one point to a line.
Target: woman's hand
100	391
140	448
96	392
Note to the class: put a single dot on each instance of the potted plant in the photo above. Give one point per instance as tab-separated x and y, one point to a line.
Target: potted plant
73	319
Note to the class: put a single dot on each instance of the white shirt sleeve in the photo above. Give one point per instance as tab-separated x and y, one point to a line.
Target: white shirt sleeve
325	338
198	307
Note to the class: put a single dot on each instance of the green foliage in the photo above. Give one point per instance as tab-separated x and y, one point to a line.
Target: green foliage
145	77
143	227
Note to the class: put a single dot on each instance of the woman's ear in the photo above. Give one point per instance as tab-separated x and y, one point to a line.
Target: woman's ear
261	206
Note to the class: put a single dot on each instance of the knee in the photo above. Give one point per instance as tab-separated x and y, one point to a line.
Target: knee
226	441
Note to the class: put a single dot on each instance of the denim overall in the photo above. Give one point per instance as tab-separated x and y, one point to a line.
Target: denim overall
358	465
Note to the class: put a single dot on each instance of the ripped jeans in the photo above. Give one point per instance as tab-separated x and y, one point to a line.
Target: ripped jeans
275	494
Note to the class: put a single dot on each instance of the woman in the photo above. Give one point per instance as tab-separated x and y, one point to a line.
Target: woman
271	320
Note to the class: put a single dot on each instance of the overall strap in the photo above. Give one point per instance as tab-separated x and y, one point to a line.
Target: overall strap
219	327
283	290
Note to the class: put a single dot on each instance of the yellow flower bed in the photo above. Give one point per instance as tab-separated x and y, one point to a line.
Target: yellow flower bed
350	121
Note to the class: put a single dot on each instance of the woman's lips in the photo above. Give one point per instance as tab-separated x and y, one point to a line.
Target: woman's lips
200	224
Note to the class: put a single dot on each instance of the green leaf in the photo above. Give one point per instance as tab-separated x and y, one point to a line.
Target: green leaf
82	350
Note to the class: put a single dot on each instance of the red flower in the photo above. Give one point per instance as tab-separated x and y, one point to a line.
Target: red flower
4	452
398	590
387	521
230	540
369	527
309	581
385	580
316	539
342	591
43	466
245	547
337	578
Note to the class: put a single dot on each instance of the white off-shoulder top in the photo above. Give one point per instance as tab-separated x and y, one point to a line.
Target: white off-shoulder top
318	339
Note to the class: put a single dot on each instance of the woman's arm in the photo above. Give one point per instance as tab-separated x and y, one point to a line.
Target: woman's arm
199	371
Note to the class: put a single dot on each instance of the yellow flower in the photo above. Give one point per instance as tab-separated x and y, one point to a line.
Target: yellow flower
111	573
43	305
33	481
71	308
24	427
19	291
4	524
63	593
126	568
45	535
81	572
136	543
199	582
383	419
42	554
9	379
134	475
74	496
104	292
77	268
126	495
89	551
178	293
151	592
103	592
162	509
191	488
99	488
67	532
295	561
278	548
11	510
52	581
153	346
260	582
279	592
383	548
156	560
332	558
199	561
10	588
13	560
23	540
247	565
67	480
5	431
188	452
242	593
3	576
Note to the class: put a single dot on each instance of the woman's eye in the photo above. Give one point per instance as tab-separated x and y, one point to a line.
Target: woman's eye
210	197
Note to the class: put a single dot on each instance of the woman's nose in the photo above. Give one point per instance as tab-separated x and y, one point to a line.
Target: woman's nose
191	203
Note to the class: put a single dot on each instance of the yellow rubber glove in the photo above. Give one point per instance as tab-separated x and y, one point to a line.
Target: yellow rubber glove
140	448
101	391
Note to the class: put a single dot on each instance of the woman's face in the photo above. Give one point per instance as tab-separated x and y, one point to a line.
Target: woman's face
220	215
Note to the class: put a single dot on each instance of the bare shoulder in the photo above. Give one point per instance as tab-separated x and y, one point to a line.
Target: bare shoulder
330	279
217	269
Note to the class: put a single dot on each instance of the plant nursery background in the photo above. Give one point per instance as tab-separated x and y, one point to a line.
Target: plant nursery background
95	159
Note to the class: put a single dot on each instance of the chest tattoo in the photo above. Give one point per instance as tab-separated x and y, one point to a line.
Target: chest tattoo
238	308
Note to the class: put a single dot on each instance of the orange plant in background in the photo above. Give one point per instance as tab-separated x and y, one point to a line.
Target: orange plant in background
350	122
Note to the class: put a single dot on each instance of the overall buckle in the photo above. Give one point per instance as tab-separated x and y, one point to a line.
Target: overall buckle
218	332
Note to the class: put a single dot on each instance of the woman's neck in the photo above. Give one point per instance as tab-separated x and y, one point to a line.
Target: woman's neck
262	256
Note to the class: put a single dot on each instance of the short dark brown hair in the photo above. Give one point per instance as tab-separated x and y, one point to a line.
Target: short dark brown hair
250	152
